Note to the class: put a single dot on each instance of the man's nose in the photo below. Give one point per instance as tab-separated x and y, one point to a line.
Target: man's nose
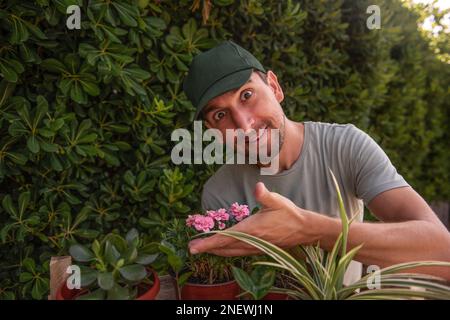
243	120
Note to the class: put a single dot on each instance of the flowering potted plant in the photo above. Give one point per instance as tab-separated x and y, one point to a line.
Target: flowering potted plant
320	275
202	276
114	269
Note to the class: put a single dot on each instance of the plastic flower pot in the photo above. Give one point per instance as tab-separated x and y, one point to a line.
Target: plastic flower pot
221	291
145	292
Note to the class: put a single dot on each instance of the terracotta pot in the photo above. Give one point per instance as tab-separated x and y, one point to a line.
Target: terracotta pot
276	296
146	293
222	291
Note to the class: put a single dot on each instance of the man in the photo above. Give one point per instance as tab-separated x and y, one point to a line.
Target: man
231	90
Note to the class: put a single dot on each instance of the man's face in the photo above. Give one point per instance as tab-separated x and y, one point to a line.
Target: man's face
255	105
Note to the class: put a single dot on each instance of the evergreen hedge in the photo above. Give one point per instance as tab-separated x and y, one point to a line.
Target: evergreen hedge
86	115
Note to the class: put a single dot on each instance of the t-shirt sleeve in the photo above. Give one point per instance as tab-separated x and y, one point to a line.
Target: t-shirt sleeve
372	170
209	200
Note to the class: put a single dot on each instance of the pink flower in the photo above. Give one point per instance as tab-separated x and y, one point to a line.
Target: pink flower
191	219
203	223
239	211
221	225
218	215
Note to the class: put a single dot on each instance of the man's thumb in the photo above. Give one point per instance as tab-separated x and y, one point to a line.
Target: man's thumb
266	198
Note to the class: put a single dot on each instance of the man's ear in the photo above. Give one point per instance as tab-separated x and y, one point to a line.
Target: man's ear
272	81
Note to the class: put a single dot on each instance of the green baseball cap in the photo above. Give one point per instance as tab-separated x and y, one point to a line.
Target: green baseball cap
212	73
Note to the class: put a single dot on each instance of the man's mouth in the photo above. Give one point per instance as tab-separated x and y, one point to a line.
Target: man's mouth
260	133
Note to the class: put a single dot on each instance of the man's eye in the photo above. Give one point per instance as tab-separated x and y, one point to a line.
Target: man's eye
219	115
246	95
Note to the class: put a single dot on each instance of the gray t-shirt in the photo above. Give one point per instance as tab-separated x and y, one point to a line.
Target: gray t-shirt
360	166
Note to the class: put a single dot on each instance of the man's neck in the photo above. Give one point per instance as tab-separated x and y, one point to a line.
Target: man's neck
292	145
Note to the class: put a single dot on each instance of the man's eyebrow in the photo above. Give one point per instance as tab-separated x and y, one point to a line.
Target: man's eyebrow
210	108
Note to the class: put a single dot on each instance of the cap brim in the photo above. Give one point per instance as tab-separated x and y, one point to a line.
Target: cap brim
232	81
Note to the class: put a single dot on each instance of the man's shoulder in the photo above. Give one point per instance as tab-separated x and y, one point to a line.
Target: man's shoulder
330	126
333	132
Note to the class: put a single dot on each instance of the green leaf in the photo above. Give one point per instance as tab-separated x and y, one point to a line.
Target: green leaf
33	144
98	294
81	253
4	232
84	125
88	138
105	280
33	220
265	279
48	147
56	124
90	87
87	233
53	65
42	108
19	32
146	259
35	31
65	85
96	248
131	255
46	133
24	200
129	178
6	90
77	94
82	215
29	264
132	236
17	129
40	289
111	253
25	277
133	272
143	3
56	164
88	277
244	281
182	279
8	205
126	13
17	158
118	293
138	73
8	72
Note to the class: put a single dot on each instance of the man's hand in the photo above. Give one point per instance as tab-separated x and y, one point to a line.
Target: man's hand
279	221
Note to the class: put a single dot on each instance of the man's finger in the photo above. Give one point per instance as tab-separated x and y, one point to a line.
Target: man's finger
237	252
266	198
208	244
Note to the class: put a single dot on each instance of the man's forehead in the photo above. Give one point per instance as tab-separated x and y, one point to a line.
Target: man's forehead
225	95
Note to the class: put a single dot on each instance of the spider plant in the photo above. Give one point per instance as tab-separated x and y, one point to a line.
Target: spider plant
320	275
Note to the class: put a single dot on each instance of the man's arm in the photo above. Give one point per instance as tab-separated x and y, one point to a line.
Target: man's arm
410	232
396	240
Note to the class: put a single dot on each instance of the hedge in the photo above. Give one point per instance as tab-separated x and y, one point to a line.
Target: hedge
86	115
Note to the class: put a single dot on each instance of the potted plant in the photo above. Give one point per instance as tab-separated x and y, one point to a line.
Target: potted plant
115	268
262	283
320	274
202	276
